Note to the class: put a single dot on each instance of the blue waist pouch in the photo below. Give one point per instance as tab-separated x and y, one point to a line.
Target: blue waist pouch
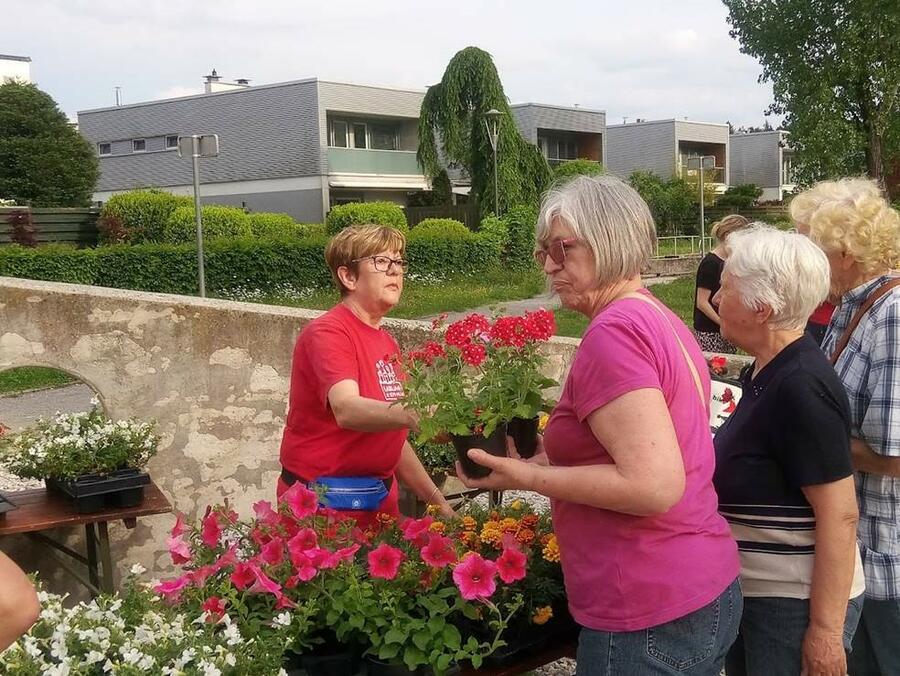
359	493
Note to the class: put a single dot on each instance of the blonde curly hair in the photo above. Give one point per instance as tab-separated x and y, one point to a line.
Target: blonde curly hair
851	216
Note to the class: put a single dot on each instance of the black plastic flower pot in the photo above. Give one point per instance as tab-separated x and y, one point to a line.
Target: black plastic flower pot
95	492
524	433
494	444
376	667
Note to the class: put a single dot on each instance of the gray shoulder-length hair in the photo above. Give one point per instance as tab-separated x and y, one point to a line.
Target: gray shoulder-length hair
610	216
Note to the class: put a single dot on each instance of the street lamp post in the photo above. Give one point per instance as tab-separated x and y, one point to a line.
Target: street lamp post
492	126
197	146
703	163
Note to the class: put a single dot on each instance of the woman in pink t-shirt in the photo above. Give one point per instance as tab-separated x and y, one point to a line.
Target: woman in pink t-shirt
650	567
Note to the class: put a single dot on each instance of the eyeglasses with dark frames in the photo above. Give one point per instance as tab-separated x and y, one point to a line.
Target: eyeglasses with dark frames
556	250
384	263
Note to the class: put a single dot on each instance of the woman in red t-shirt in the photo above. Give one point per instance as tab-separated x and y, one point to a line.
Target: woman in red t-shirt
342	418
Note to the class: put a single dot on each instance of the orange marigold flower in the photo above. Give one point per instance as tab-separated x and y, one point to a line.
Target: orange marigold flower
438	527
469	523
433	510
551	550
530	520
495	516
490	534
546	538
509	525
542	615
525	536
384	519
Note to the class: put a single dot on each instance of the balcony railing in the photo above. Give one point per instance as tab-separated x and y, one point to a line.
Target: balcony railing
355	161
714	175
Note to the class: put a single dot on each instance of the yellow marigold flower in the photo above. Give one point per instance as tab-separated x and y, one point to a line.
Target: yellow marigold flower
509	525
433	510
542	615
437	527
469	523
542	421
515	505
491	534
551	549
384	518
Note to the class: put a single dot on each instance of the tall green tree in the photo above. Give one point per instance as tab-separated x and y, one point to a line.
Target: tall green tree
44	161
452	129
835	70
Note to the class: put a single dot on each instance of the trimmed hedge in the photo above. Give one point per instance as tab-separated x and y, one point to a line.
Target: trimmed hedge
440	226
268	225
143	213
363	213
521	222
218	223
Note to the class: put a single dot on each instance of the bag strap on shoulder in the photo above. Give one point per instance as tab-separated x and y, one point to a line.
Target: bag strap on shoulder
882	290
687	357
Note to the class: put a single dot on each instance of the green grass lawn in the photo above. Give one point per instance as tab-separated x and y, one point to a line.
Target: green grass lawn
26	378
677	295
425	298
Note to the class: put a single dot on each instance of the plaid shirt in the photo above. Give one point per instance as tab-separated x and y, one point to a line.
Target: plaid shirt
869	367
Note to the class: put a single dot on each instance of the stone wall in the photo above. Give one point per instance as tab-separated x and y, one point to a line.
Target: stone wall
213	374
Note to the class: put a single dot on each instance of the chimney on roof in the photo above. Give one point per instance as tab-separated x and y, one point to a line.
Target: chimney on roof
214	83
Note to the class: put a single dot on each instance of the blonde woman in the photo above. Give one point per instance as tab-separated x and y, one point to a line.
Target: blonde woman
709	275
852	222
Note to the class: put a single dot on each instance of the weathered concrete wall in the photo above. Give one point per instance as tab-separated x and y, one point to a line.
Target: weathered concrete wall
214	374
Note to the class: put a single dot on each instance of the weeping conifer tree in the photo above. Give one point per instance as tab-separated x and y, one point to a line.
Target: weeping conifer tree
452	129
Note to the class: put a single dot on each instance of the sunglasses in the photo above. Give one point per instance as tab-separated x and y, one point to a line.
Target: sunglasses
556	250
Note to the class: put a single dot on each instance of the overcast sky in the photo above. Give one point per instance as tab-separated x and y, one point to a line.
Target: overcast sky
633	58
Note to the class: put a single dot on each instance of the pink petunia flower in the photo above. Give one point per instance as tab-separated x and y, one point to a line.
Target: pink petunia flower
303	566
302	501
417	530
172	589
211	531
475	577
306	539
242	576
272	553
263	583
511	565
284	602
439	552
384	561
264	513
179	528
229	558
179	550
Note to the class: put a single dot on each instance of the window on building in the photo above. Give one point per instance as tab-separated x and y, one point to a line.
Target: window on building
104	149
787	170
383	137
339	134
138	145
171	142
359	135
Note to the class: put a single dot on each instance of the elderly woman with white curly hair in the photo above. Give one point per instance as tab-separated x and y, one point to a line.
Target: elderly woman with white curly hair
852	222
783	469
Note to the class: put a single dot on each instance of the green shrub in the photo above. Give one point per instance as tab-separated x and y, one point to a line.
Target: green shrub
579	167
460	251
362	213
494	229
521	222
218	223
266	225
310	229
439	226
740	196
143	213
51	263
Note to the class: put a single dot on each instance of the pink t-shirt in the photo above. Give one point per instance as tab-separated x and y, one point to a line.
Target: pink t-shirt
624	572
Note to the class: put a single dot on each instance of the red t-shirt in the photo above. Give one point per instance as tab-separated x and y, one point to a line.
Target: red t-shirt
334	347
822	314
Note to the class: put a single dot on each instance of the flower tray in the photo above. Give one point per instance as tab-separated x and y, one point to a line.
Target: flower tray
533	639
95	492
6	505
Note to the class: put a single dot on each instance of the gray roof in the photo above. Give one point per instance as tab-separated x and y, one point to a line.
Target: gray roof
10	57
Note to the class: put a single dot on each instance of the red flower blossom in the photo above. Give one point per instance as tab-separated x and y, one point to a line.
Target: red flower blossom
475	577
416	530
179	528
384	561
283	602
302	501
172	589
272	552
179	550
242	576
473	354
540	325
511	565
211	531
265	514
214	607
439	552
263	583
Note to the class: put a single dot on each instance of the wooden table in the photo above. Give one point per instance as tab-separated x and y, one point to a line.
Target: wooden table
40	510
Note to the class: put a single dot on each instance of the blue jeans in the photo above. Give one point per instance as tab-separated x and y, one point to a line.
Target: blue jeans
876	646
695	644
770	641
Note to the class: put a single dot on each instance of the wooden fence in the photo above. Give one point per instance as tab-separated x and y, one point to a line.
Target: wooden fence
467	214
76	226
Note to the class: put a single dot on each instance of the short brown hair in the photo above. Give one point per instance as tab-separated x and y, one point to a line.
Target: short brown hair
725	226
359	241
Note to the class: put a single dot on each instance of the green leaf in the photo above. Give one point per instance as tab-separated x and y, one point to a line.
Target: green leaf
394	636
422	639
452	637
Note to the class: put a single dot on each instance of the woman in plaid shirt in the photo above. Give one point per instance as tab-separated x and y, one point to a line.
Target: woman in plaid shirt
854	225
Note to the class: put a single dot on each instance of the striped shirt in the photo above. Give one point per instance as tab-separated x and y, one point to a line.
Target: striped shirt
869	368
790	430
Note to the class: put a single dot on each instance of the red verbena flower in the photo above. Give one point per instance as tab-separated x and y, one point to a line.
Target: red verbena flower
384	561
474	354
540	324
